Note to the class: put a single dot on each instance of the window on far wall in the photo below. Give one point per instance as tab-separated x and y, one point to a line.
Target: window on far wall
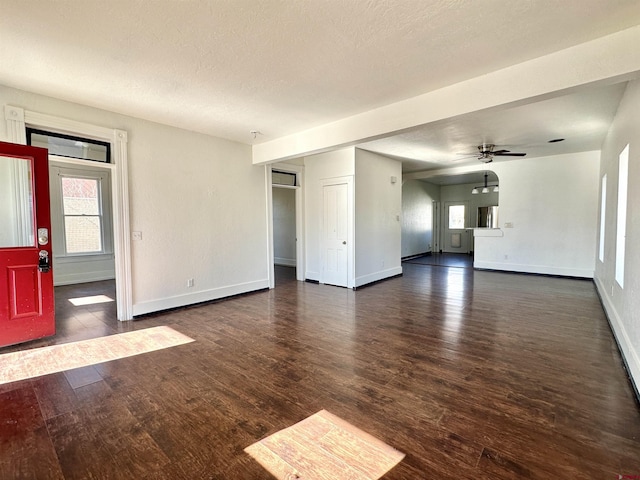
603	209
621	230
456	217
82	212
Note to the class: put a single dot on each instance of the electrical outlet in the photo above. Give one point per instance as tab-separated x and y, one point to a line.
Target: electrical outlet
137	235
190	282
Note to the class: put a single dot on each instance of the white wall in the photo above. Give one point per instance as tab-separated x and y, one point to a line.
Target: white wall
552	203
284	226
340	163
417	216
198	201
378	206
623	304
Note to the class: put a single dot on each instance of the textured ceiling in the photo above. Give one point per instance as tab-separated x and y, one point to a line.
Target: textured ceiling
582	119
227	67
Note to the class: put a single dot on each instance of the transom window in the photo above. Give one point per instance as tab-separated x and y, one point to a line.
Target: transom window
284	178
70	146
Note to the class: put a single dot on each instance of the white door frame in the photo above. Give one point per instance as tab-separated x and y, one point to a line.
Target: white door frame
436	232
300	251
351	277
18	119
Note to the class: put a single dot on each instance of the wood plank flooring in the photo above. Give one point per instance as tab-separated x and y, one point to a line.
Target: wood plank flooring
460	260
472	374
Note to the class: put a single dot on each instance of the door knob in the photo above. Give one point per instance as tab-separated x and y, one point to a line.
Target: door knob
344	242
43	236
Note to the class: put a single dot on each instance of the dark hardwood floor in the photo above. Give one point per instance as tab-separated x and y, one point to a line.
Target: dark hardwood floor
472	374
459	260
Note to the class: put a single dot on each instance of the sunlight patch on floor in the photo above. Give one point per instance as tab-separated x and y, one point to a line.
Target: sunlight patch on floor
25	364
324	446
81	301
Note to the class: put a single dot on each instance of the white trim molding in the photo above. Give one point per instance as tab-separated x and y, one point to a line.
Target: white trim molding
18	119
377	276
270	255
143	308
630	355
14	116
537	269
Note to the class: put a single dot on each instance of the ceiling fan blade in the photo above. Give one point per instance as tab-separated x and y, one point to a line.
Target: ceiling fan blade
498	154
460	159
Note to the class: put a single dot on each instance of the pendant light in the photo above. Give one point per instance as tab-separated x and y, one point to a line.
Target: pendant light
485	187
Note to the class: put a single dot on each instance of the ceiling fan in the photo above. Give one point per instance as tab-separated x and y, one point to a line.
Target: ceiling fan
486	153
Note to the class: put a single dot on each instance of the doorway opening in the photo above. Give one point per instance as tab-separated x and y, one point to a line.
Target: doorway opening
285	201
81	222
18	120
459	207
284	233
81	209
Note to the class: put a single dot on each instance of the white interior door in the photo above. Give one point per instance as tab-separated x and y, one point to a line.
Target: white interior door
456	220
335	231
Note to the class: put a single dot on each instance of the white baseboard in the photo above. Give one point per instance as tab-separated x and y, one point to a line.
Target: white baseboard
85	277
376	276
541	269
630	354
286	262
415	255
143	308
309	275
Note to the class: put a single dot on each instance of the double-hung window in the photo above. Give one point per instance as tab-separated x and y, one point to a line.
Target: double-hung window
80	212
82	215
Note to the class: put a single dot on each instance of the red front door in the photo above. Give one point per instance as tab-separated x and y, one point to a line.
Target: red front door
26	279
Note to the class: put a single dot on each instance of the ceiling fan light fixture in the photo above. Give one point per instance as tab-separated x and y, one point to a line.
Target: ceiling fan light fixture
485	190
475	191
496	189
